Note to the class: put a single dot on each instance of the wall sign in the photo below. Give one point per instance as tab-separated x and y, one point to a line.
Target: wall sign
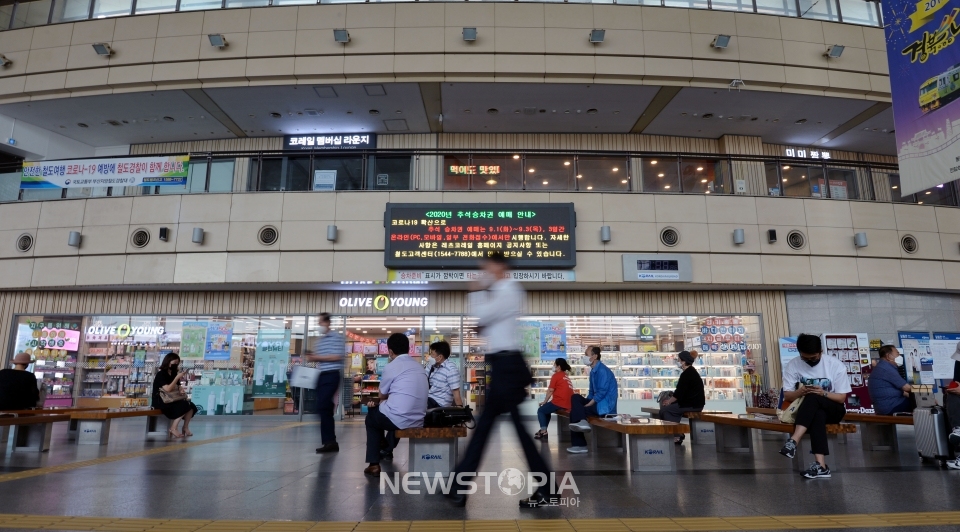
334	141
657	267
646	333
382	302
473	169
806	153
426	276
458	235
127	172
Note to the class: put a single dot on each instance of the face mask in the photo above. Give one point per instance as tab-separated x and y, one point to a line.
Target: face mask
899	360
323	329
813	362
174	367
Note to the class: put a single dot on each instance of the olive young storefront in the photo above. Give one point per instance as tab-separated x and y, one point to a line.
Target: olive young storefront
239	359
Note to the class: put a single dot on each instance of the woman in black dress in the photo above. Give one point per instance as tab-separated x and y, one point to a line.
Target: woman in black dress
168	378
688	397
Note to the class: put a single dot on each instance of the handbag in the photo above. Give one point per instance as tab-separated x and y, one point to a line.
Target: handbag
304	377
449	416
172	397
789	414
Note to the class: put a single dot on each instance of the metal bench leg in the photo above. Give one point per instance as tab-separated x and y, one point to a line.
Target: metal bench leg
733	439
769	435
702	433
432	455
93	432
4	437
32	437
606	439
879	437
651	453
73	427
563	428
154	429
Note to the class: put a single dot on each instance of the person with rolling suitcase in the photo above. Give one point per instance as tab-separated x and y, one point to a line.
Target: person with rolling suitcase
951	406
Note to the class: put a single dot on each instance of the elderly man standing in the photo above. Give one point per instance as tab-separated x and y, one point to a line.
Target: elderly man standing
329	349
18	387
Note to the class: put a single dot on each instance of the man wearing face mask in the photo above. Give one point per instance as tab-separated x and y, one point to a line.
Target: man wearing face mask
823	384
329	350
889	391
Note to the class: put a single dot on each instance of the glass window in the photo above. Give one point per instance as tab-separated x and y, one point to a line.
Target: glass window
70	10
293	2
732	5
843	183
221	175
603	173
553	172
349	171
690	4
457	173
271	174
31	14
87	192
801	181
195	5
42	193
660	174
773	178
784	8
155	6
819	9
704	176
894	180
10	186
6	12
298	174
388	173
247	3
111	8
859	12
510	168
943	194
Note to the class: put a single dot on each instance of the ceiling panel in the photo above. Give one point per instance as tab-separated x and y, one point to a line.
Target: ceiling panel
873	136
345	108
542	107
712	113
139	117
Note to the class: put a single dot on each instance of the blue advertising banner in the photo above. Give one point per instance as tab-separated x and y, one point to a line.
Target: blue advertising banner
553	340
219	337
917	359
924	58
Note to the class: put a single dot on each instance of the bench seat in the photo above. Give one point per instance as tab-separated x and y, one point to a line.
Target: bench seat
92	427
433	449
701	432
649	444
31	432
878	432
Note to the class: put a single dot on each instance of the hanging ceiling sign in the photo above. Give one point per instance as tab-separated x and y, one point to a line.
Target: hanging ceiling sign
458	235
332	141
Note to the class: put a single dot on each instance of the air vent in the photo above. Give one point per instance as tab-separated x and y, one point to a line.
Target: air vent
909	244
707	116
492	111
312	112
796	240
114	123
669	237
529	110
140	238
24	242
268	235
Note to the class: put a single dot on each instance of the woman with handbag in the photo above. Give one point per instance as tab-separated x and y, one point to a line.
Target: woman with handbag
170	399
689	395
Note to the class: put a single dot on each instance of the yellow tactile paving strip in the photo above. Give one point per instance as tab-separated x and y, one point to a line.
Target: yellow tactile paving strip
7	477
782	522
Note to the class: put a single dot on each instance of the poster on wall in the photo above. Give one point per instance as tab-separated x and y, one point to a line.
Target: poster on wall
924	62
219	393
788	349
193	340
115	172
324	180
219	338
915	348
271	363
553	340
528	336
853	351
945	348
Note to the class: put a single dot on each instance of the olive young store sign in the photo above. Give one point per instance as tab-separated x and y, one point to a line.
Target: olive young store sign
458	235
382	302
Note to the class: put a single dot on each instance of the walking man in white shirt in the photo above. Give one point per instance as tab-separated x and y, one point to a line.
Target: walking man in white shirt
498	300
403	399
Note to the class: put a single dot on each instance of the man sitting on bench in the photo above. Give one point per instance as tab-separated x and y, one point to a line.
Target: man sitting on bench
601	400
18	387
822	383
889	391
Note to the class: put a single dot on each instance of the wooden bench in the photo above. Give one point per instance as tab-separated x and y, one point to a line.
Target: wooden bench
563	425
649	444
93	427
701	432
31	432
734	436
877	432
433	449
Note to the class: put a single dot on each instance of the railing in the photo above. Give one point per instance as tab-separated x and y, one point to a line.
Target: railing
524	170
23	14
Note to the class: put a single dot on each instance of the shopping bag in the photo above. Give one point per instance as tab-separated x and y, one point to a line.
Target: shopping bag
789	414
304	377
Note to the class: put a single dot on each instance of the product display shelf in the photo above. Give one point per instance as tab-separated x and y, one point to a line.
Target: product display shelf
57	372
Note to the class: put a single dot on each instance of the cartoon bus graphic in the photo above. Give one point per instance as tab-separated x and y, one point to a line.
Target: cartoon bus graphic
940	90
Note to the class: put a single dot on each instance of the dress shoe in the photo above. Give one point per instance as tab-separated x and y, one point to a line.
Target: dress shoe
329	448
386	455
373	470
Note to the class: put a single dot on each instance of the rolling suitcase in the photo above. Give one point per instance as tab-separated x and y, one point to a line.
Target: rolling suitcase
930	428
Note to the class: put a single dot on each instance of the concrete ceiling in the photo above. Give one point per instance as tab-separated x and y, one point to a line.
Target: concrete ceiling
176	115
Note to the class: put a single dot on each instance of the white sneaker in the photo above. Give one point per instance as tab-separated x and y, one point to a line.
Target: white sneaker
951	464
580	426
954	437
577	450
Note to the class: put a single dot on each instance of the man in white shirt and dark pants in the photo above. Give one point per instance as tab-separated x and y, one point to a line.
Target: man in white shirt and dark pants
822	383
403	399
498	300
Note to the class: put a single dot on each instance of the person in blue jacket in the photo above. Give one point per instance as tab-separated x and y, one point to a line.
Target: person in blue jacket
601	400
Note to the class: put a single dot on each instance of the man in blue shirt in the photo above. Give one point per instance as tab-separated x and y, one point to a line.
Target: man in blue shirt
601	400
889	392
329	350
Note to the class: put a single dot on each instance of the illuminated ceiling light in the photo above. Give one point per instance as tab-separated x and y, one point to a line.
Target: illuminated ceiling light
707	192
928	192
491	181
784	179
591	188
659	175
516	156
531	170
919	203
666	186
940	185
615	169
703	180
894	186
786	167
566	163
699	168
653	162
624	181
545	182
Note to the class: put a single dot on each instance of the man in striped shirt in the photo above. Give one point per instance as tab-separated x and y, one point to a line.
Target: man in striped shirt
328	350
443	377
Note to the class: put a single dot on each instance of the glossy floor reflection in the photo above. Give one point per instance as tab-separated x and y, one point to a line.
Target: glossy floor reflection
275	475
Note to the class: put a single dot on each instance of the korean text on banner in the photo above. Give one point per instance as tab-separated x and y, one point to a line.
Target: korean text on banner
193	341
946	353
122	172
915	348
219	340
271	363
924	57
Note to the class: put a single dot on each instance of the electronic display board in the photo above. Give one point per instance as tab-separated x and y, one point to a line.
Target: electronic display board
458	235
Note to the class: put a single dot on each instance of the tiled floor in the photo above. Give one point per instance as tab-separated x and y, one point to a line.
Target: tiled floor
263	471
